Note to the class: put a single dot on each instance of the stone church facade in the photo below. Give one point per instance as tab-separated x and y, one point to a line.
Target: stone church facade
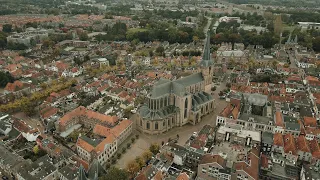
175	103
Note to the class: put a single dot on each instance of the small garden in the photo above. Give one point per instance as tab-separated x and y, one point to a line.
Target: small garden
35	154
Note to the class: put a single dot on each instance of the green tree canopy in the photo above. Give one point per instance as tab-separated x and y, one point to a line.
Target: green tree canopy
154	148
5	78
83	36
7	28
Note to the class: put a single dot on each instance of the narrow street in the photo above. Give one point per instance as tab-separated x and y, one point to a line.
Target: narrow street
292	59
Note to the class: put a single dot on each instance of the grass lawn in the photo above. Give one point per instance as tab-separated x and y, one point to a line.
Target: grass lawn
287	27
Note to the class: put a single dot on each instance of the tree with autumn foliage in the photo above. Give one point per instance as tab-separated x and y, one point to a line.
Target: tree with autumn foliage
133	168
147	155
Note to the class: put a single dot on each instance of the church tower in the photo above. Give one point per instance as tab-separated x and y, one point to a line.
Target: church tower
206	65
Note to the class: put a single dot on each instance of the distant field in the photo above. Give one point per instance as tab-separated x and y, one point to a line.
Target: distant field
80	49
134	30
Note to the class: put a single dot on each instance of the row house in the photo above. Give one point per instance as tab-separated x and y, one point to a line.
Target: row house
293	149
277	124
249	167
17	88
236	134
212	167
294	88
305	62
229	113
313	82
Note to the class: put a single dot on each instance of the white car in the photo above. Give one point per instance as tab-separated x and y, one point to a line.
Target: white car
134	110
195	134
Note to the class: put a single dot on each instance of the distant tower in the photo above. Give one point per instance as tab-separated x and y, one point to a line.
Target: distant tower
289	39
278	24
296	40
128	64
207	64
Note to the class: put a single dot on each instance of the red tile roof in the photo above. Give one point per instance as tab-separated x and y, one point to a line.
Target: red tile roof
12	87
312	130
117	130
158	176
310	121
251	168
278	139
48	112
61	65
82	111
13	67
84	145
312	78
302	144
101	130
183	176
289	144
315	150
143	173
209	158
264	161
279	119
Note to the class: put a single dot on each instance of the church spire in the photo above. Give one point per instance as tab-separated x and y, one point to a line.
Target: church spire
289	39
81	173
206	51
206	57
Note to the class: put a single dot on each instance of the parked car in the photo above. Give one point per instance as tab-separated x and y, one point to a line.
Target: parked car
222	97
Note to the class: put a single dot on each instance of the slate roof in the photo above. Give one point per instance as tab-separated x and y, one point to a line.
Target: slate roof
163	87
200	98
145	112
43	166
69	172
81	173
257	118
293	126
267	137
206	58
95	170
